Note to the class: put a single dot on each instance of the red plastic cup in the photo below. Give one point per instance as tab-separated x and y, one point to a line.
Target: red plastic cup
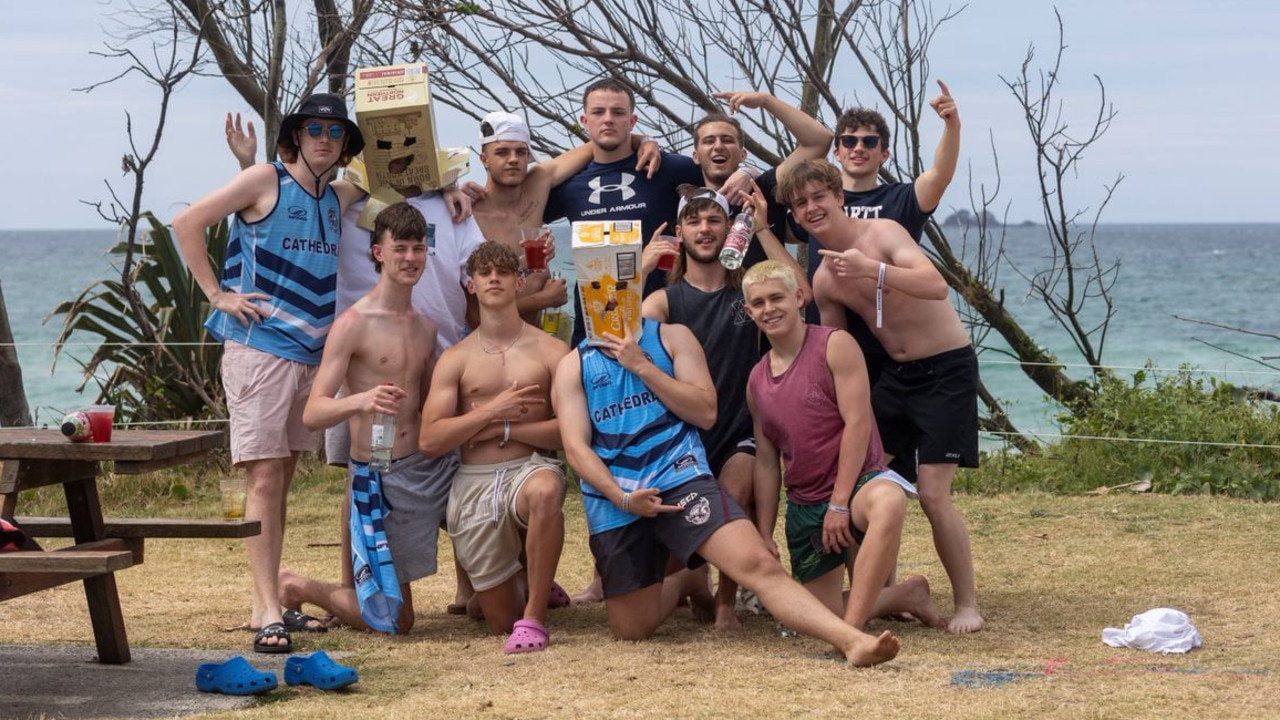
534	242
667	262
101	418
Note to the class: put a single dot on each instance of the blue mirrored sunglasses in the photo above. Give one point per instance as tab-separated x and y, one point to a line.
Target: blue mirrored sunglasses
336	131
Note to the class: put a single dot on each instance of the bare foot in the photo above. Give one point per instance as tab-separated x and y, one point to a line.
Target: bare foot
291	586
593	593
867	650
920	603
727	619
966	620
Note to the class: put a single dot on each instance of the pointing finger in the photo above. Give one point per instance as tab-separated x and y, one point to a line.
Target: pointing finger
946	91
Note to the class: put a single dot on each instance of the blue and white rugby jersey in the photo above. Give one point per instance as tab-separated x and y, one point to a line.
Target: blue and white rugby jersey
291	255
642	442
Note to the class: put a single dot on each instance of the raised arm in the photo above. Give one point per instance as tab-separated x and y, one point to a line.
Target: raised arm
690	394
772	244
572	161
933	182
243	146
813	139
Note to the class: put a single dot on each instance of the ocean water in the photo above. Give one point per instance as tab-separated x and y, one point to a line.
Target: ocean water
1222	274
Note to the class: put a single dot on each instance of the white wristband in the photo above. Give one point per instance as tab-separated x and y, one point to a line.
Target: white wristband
880	297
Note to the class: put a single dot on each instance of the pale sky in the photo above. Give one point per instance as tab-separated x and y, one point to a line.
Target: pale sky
1194	84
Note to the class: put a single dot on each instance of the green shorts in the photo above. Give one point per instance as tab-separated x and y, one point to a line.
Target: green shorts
809	561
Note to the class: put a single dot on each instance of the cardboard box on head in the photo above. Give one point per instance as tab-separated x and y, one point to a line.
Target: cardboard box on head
606	254
393	109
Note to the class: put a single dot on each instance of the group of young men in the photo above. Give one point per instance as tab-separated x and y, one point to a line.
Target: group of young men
678	438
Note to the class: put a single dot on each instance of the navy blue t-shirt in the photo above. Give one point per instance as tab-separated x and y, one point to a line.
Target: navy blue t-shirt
616	191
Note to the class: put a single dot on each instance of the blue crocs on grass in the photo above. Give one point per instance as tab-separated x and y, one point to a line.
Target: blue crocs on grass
320	671
234	677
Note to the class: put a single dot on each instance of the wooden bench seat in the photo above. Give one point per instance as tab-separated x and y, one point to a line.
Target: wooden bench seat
87	562
26	571
145	527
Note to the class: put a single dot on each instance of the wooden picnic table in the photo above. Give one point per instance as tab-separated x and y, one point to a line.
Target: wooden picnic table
31	458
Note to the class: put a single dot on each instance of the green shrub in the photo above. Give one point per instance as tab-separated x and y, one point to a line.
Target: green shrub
1182	432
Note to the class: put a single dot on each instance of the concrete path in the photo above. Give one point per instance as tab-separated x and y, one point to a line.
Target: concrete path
68	682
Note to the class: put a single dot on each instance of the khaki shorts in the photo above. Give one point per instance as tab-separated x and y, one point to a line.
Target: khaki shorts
265	398
483	521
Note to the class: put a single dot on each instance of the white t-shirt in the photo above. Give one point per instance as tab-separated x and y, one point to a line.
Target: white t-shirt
441	294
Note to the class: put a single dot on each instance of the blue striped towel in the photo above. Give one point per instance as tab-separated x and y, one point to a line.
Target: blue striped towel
377	586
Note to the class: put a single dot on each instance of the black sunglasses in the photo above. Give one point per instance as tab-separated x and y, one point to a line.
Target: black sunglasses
316	129
849	142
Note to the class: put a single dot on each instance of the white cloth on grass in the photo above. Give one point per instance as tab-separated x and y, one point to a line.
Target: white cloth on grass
1162	630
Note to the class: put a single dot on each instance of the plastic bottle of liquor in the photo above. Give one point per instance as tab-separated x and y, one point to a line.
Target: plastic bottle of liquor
549	320
381	441
735	245
549	317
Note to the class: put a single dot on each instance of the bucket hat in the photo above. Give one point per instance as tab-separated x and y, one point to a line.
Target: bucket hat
321	105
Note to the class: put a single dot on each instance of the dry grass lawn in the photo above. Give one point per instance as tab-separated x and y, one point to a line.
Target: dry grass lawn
1052	573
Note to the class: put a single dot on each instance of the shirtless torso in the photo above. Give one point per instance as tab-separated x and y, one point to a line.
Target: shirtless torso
516	197
916	320
486	374
490	393
389	347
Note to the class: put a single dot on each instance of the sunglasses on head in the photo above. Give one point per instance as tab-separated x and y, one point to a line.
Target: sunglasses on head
316	129
849	142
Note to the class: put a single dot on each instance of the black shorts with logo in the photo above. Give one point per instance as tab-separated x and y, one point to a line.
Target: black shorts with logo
635	556
930	406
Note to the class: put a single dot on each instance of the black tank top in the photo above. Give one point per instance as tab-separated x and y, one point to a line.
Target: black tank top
733	345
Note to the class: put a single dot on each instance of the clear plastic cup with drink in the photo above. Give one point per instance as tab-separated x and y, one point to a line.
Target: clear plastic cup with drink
667	262
234	490
535	240
101	418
